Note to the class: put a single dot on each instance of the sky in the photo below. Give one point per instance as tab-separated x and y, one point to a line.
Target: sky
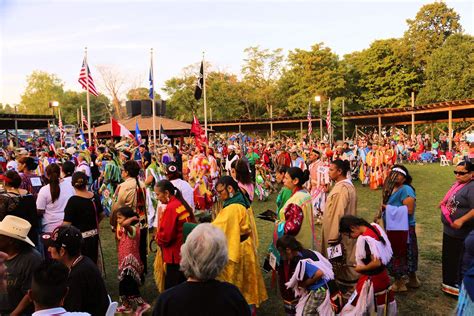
51	35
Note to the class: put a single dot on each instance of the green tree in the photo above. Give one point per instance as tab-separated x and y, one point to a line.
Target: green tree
450	71
41	88
140	94
310	73
261	71
377	76
100	106
433	24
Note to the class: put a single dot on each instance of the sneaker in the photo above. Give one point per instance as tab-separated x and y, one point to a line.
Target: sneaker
413	281
124	309
451	290
142	308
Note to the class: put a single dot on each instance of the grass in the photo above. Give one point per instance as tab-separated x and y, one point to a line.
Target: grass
431	183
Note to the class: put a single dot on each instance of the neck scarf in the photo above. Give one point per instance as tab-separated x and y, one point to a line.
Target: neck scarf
238	198
444	208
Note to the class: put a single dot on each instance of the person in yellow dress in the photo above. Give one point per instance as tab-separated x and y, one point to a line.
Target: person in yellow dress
238	224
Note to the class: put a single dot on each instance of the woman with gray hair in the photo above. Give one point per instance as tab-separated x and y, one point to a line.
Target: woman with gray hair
203	257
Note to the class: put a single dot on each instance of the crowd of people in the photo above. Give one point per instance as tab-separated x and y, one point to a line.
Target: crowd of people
191	208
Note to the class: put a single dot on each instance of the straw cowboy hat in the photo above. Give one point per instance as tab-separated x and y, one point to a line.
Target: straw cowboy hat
16	228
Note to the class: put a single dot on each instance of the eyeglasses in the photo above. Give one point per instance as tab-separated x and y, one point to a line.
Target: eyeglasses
461	173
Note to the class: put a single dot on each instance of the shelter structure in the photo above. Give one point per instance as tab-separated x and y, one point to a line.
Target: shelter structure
441	112
13	122
172	128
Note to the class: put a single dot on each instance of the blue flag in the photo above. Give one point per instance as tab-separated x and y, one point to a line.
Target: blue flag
138	135
151	93
83	138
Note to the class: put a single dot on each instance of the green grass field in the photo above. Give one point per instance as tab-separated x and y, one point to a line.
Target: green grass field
431	183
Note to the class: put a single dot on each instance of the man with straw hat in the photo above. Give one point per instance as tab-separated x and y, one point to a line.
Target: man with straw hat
22	260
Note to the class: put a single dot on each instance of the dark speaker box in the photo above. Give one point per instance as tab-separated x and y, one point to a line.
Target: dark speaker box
134	107
146	107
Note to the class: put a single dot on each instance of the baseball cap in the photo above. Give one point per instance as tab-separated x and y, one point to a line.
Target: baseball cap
65	236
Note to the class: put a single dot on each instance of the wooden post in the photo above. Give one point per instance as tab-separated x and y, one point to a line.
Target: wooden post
431	132
357	131
301	128
413	113
271	121
343	123
450	129
320	120
240	128
380	127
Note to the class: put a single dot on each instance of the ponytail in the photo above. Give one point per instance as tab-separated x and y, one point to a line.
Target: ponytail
53	171
349	220
166	185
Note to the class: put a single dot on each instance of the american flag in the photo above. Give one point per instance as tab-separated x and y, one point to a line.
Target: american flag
84	80
310	126
328	118
61	130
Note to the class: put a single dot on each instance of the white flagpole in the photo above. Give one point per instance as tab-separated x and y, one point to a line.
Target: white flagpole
153	111
61	136
330	123
88	103
204	92
82	119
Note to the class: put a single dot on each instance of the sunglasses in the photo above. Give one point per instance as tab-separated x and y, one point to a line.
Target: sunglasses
461	173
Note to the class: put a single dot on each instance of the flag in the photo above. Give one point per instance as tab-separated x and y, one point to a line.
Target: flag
83	138
119	130
199	83
84	120
51	142
162	133
199	135
84	80
138	134
310	125
150	77
328	118
61	130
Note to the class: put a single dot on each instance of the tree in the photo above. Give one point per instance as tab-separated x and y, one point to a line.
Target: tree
378	77
113	81
100	107
41	88
261	71
433	24
450	71
141	94
310	73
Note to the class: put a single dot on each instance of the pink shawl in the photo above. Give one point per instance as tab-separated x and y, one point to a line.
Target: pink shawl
444	208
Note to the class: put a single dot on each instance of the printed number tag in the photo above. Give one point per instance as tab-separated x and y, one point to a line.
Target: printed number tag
334	251
36	182
272	260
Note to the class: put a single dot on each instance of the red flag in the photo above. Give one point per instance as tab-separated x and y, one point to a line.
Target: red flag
119	130
199	135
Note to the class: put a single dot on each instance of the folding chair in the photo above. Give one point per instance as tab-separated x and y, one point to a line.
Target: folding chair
112	307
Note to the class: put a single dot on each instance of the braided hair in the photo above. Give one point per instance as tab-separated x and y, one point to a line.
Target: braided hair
348	221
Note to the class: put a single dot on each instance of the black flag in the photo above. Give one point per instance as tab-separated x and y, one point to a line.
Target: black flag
199	83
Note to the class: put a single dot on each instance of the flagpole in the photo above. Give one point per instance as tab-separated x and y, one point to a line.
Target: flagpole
88	103
82	116
153	111
330	123
204	92
61	131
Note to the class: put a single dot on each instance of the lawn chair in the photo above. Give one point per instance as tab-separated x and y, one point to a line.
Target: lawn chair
443	161
112	307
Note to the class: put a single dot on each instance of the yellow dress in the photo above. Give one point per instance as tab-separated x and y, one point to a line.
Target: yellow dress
243	269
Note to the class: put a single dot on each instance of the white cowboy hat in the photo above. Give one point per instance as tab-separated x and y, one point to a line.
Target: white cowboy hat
16	227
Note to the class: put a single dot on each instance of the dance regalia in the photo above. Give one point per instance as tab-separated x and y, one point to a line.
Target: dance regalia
112	177
374	161
372	292
319	179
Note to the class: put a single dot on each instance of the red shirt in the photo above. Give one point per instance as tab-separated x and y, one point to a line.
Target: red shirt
170	233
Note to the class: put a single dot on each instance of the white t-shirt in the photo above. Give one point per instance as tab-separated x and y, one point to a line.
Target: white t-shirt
12	165
54	212
57	311
84	167
186	191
